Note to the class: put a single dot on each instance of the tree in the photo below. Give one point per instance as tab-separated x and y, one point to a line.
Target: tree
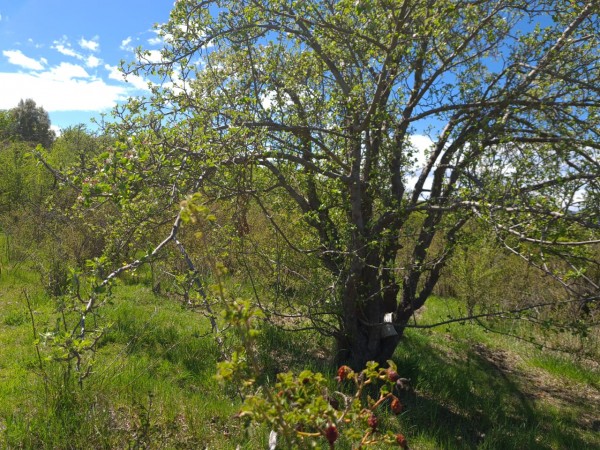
317	103
76	148
31	123
21	179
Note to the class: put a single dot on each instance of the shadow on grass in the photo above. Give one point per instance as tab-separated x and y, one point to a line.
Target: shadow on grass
472	400
283	351
164	338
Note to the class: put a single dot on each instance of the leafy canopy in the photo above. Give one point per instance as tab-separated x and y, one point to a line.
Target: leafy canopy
311	108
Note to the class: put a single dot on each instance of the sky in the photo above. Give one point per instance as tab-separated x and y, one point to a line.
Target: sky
65	54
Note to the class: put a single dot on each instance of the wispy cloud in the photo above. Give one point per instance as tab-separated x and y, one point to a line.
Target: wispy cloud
34	44
64	47
126	44
92	45
136	81
17	58
156	40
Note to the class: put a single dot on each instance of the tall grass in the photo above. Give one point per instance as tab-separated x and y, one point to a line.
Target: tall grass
153	382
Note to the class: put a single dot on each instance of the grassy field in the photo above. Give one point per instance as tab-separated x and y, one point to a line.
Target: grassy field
153	383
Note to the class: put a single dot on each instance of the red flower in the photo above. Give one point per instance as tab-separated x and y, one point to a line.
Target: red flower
401	440
396	406
392	375
373	421
331	434
343	373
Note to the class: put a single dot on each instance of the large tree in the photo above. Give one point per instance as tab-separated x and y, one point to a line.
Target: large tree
319	102
31	123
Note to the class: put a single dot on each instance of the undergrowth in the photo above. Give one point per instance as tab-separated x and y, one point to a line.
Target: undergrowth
153	384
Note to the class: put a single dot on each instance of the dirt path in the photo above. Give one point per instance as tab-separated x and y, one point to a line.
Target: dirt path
538	385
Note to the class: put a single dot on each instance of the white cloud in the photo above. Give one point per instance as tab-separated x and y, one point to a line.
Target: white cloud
268	100
66	87
65	72
67	51
57	130
156	40
92	45
126	44
17	58
56	92
91	61
64	47
114	73
421	144
153	56
136	81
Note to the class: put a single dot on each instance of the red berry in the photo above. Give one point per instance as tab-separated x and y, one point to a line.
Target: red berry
392	375
331	434
401	440
343	373
373	421
396	406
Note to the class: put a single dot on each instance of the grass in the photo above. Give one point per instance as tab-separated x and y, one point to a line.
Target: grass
562	366
484	390
153	384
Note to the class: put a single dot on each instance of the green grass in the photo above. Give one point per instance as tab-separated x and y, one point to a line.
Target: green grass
564	367
153	382
474	389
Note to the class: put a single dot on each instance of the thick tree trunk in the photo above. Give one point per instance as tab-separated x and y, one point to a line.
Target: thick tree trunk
368	344
367	297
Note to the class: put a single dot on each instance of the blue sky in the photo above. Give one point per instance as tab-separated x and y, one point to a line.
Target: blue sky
64	54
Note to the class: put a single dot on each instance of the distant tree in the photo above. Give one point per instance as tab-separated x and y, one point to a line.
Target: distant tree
307	109
31	123
76	148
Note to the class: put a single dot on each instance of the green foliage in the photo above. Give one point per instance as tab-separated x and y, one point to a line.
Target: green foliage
75	149
280	165
22	181
301	408
302	118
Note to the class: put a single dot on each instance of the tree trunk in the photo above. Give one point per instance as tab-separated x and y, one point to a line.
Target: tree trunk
368	344
367	297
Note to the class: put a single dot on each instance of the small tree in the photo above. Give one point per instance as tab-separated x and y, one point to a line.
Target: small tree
311	109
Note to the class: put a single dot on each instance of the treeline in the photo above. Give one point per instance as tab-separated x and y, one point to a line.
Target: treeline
42	229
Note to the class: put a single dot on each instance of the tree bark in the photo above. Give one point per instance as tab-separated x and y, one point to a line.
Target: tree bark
366	298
